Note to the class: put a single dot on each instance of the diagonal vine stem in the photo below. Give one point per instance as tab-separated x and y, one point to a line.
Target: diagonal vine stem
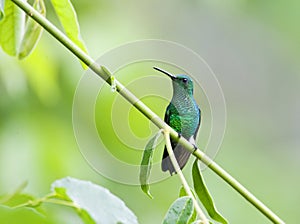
102	72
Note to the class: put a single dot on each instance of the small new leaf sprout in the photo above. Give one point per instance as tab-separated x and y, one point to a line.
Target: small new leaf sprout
113	84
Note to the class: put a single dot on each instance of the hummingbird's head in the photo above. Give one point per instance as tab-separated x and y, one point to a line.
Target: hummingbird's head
180	82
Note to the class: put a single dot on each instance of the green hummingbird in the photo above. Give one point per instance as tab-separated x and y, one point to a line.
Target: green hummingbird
184	116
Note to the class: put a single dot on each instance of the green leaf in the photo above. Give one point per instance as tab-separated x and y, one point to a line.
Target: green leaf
95	203
18	199
180	211
61	193
4	199
146	164
11	28
21	215
1	9
86	218
204	195
33	31
183	193
68	18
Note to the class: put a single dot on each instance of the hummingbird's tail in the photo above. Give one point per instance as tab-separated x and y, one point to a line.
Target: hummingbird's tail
182	156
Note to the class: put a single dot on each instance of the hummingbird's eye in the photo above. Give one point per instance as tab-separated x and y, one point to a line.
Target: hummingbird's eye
184	80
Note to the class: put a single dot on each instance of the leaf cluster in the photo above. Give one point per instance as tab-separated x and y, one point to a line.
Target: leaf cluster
19	34
92	203
182	208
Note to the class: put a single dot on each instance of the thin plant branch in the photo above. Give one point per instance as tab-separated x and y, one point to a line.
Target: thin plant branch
132	99
36	202
62	202
47	199
182	178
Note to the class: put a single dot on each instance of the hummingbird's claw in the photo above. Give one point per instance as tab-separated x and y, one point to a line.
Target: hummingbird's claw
179	135
195	148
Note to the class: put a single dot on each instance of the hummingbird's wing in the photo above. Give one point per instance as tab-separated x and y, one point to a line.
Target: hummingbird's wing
196	132
172	118
182	156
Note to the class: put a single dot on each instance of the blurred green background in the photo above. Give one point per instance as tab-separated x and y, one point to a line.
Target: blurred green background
252	46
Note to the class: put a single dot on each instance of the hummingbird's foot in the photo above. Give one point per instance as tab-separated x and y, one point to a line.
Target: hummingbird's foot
195	148
179	135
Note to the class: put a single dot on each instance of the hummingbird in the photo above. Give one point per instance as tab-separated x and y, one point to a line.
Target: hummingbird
184	116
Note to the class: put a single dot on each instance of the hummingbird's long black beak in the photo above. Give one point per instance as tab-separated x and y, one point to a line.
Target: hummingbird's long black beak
165	72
